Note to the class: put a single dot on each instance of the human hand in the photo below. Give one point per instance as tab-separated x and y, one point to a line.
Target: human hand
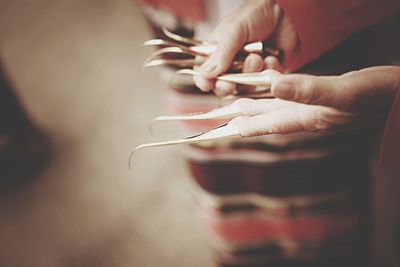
254	21
311	103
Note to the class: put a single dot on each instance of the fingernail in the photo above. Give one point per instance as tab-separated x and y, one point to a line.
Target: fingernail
207	68
284	90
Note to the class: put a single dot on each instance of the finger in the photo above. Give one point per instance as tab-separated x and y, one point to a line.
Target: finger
281	121
204	84
371	89
220	60
252	107
294	117
223	88
367	89
307	89
251	89
253	63
272	62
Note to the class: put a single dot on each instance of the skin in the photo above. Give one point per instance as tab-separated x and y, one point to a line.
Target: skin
304	102
239	28
315	103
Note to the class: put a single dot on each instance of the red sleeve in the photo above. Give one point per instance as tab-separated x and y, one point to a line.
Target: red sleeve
321	24
189	9
390	143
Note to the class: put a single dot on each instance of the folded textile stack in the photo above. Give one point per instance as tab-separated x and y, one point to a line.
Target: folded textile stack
292	200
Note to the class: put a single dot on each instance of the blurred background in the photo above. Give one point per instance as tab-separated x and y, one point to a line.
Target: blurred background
79	103
76	69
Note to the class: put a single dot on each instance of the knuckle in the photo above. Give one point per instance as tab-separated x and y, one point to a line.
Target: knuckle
224	49
243	123
244	104
308	91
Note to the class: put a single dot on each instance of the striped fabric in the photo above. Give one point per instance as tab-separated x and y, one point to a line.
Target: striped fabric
293	200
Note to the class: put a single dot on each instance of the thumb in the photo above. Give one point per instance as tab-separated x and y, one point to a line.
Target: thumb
366	89
306	89
230	41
